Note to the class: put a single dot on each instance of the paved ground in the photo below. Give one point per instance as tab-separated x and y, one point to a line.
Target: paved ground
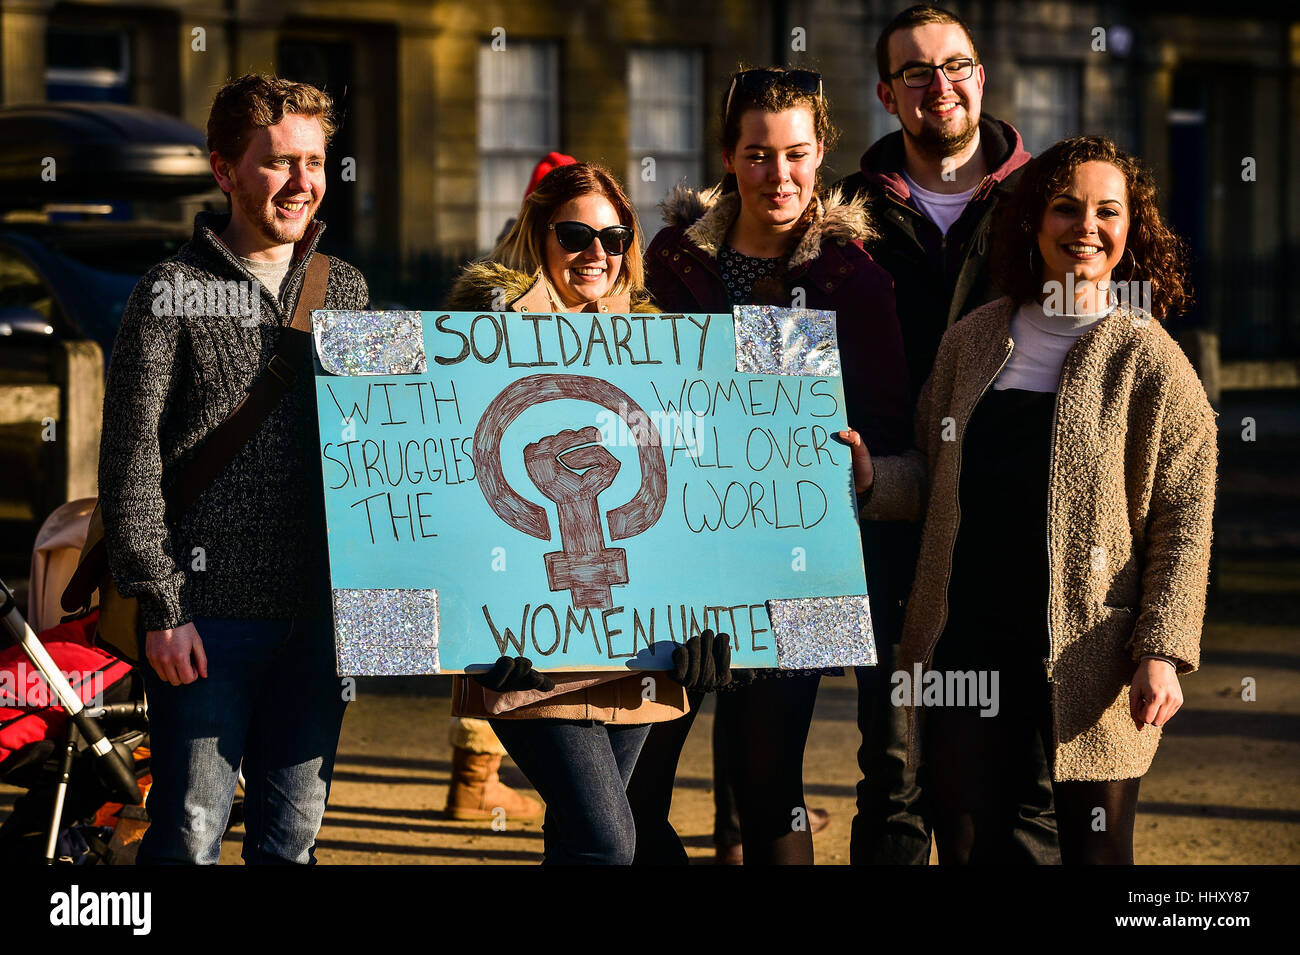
1224	787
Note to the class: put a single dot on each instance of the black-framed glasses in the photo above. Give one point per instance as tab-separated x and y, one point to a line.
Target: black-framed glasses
921	75
577	236
757	81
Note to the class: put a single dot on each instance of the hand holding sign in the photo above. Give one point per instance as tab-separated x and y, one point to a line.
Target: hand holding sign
863	473
513	674
703	663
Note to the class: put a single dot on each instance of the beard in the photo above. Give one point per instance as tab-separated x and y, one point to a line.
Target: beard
941	143
262	215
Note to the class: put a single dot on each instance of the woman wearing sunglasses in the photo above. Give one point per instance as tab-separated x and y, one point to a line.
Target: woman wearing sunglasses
572	249
575	736
767	235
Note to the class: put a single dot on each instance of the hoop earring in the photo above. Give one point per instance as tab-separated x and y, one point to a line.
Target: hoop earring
1132	269
1112	293
1032	271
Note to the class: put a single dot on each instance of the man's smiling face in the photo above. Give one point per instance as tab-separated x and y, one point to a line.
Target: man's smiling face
278	183
943	117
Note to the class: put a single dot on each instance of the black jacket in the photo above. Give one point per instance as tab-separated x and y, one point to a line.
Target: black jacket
937	278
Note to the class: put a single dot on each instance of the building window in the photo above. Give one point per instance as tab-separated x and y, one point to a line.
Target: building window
87	64
1047	104
518	124
665	140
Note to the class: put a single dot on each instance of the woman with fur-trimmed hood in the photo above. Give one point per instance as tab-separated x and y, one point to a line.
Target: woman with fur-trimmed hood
828	268
576	736
767	235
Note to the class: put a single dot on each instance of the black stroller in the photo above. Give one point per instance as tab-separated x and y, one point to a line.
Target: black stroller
80	751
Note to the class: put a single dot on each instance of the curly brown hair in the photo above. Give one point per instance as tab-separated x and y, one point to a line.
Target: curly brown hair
1159	254
257	100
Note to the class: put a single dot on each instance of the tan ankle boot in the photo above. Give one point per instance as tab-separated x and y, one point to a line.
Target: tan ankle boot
476	792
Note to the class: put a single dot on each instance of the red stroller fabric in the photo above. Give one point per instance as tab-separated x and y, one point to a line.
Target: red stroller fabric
29	711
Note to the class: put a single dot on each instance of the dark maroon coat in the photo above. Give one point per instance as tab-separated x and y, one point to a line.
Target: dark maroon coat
835	272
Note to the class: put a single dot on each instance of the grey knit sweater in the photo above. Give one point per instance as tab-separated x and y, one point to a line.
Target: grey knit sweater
253	544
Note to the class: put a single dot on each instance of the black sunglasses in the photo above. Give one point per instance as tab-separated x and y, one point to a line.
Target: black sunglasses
757	81
577	236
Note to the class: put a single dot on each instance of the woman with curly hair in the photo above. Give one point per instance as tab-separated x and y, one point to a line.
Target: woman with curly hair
1065	467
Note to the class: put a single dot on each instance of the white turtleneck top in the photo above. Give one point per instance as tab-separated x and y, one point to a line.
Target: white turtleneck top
1041	340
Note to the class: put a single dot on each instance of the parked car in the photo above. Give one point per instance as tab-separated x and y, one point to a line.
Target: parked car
91	196
97	152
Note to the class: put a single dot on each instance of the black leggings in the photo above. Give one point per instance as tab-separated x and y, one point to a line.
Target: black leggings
650	791
979	769
763	728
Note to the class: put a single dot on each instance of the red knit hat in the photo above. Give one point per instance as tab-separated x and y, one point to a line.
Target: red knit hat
552	161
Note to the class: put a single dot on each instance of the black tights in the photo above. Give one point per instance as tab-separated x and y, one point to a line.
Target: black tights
763	728
979	767
650	791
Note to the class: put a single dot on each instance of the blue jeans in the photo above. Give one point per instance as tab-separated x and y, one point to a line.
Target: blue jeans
581	769
271	699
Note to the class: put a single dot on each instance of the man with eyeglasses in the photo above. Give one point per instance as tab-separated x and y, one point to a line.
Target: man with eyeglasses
933	186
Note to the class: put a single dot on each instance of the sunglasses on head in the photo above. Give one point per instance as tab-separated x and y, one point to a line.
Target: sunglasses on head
577	236
758	81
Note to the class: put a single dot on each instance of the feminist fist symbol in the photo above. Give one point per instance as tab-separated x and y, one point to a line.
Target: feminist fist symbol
572	469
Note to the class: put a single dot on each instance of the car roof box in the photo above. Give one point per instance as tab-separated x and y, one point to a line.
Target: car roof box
61	152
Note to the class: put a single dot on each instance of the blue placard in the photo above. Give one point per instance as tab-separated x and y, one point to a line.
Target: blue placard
587	490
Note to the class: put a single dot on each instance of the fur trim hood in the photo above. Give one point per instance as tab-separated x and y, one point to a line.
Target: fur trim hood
707	214
476	288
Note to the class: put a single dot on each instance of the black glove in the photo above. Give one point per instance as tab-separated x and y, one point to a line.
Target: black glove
513	673
703	663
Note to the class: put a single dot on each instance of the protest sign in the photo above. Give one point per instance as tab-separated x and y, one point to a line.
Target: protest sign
587	490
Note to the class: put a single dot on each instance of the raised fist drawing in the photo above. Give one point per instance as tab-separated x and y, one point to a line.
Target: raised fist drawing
571	467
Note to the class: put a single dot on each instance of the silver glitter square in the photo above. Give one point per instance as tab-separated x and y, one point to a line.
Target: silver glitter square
386	632
369	343
786	341
815	632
